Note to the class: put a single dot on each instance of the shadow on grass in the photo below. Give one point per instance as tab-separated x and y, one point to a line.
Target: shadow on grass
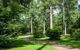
15	44
71	44
42	47
39	40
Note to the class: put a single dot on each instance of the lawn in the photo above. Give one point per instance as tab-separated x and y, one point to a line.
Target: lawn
72	43
27	45
34	47
39	44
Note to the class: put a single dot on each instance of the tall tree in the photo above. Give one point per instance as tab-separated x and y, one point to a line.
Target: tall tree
68	6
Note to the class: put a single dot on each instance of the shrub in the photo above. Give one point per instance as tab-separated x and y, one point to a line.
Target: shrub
5	41
66	37
53	34
38	34
76	34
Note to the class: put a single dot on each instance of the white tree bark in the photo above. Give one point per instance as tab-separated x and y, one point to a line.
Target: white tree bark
44	28
65	29
78	3
51	19
31	27
64	19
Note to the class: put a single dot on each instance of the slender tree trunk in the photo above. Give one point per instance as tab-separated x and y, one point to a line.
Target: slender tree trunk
64	19
51	19
44	28
31	27
65	29
77	8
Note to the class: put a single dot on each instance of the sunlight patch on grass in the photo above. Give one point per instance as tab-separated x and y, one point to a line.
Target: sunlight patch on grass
34	47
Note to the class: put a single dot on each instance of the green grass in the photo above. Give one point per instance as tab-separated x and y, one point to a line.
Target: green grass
72	43
27	45
34	47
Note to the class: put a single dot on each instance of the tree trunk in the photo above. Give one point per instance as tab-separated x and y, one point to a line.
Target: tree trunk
65	29
64	19
44	28
31	27
51	19
78	8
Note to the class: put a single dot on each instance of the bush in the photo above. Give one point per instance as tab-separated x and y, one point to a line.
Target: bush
53	34
38	34
76	34
5	41
66	37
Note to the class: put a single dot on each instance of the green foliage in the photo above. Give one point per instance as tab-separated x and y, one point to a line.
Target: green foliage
76	34
5	41
53	34
66	37
38	34
10	22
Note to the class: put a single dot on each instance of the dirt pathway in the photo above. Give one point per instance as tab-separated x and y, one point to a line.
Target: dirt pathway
63	48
